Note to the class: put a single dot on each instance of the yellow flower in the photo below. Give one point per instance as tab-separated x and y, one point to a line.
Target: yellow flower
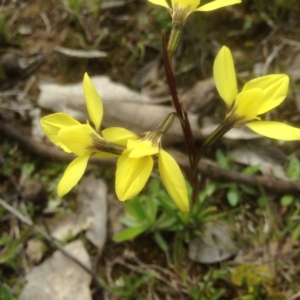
82	139
135	165
181	9
257	97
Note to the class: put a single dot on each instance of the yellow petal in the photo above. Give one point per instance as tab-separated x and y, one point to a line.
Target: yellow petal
275	88
53	123
173	180
132	175
160	2
224	75
247	104
72	174
93	101
77	138
275	130
119	135
140	148
218	4
191	4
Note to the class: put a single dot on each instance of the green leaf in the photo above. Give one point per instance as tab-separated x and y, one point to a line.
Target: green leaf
6	293
287	200
129	233
248	190
207	191
151	208
233	196
154	187
168	204
201	216
167	222
222	159
135	208
160	241
296	233
262	202
129	222
184	217
251	170
293	171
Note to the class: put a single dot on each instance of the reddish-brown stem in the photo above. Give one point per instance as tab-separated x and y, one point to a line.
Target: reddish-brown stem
188	136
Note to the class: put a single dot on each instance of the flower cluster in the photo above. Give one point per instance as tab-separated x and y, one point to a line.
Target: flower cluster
136	154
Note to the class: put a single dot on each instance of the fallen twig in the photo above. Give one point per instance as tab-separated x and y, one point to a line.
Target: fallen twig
274	185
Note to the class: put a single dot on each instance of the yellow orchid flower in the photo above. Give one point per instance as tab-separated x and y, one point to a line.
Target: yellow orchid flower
181	9
135	164
82	139
257	97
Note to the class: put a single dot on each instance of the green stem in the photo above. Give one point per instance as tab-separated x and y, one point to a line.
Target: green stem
214	137
102	145
174	39
217	134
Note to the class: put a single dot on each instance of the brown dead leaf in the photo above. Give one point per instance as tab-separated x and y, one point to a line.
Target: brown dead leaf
199	96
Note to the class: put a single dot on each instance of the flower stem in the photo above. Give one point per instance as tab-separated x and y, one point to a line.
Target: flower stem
214	137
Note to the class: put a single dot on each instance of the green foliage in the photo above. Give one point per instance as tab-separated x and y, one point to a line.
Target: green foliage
93	5
289	4
287	200
155	213
7	33
14	246
162	17
234	191
257	280
4	33
207	290
127	286
6	293
233	195
293	171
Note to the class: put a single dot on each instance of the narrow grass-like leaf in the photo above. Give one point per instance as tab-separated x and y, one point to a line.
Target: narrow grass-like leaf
135	208
160	241
129	233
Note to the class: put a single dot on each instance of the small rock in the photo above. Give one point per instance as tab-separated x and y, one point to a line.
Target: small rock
59	277
215	245
92	202
34	250
25	30
66	225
